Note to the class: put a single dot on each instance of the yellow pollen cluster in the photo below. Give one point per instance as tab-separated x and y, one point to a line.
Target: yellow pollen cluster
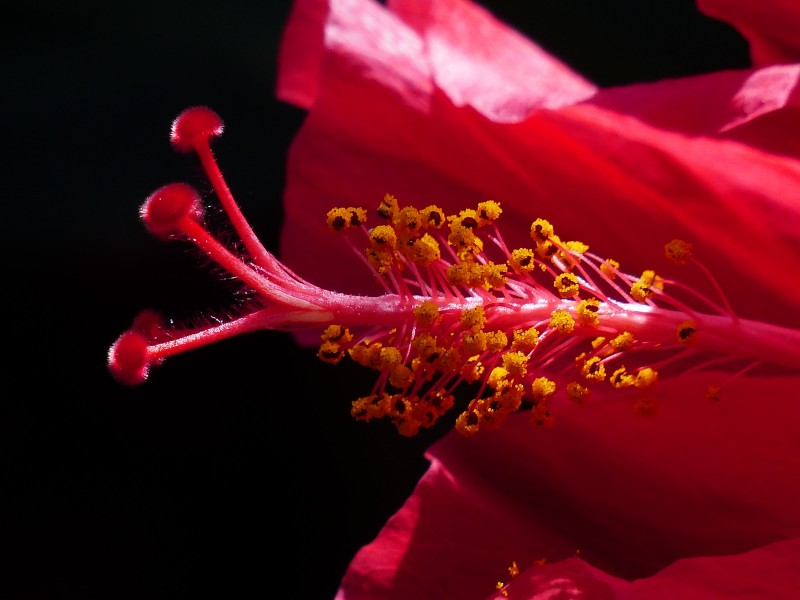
609	267
488	212
441	345
476	275
562	322
525	340
388	207
567	285
408	413
646	286
523	260
427	313
587	312
474	318
570	253
334	338
344	218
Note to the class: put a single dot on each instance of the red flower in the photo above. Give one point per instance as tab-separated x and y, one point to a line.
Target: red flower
439	105
438	102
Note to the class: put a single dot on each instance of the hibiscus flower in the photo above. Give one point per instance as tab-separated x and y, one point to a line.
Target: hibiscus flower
439	101
440	105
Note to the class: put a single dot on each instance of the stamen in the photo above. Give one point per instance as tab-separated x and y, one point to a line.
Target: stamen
529	327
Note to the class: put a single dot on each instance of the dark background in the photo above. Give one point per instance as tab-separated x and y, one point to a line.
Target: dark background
235	471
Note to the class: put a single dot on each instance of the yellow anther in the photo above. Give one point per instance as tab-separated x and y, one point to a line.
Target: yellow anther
712	393
513	570
525	340
541	230
400	376
390	357
472	369
624	341
450	361
576	392
366	354
685	332
488	212
407	220
587	310
466	219
593	369
497	377
381	260
383	237
646	286
516	363
572	253
371	407
337	333
432	217
343	218
576	247
469	274
522	260
388	207
474	318
678	251
646	378
468	422
330	352
494	409
646	406
425	347
549	248
609	267
621	378
423	251
427	313
562	321
473	342
466	243
567	285
494	275
598	342
496	341
541	389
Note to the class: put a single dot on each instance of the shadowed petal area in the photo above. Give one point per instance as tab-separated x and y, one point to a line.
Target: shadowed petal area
767	572
721	102
770	27
630	495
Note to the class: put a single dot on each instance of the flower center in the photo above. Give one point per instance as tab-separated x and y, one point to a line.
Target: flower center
523	326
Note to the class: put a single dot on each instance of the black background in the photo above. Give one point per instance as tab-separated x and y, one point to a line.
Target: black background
236	471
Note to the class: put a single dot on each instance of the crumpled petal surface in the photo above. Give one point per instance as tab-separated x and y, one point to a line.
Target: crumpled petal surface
629	495
770	27
767	572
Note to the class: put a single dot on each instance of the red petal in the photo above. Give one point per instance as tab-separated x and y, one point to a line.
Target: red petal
630	495
301	52
709	104
480	62
770	27
768	572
